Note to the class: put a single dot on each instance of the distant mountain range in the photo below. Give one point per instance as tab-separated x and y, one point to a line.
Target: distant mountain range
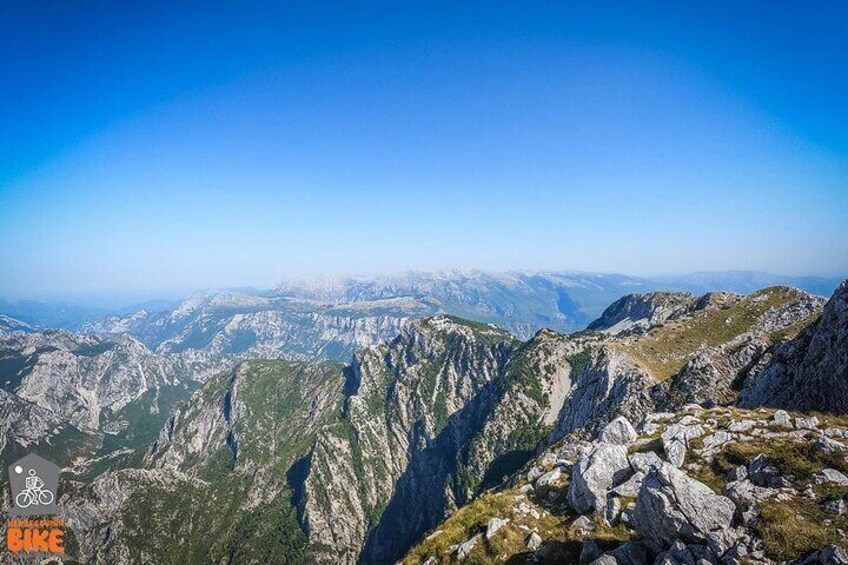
49	314
524	299
330	318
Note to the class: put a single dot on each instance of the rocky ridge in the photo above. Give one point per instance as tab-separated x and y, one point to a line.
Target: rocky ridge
809	372
430	414
638	313
676	508
242	326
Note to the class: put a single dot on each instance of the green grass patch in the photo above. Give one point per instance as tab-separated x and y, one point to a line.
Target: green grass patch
562	544
794	528
799	460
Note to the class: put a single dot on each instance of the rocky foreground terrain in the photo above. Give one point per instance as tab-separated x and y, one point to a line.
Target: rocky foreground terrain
718	485
656	434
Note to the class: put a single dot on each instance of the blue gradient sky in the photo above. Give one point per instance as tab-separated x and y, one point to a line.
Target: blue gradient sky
169	145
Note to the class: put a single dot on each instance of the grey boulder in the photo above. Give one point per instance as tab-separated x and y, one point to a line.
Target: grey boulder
672	505
465	549
595	474
676	440
494	525
830	476
618	432
830	555
590	552
763	473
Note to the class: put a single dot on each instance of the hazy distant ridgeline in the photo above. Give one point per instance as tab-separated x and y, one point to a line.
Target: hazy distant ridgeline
518	300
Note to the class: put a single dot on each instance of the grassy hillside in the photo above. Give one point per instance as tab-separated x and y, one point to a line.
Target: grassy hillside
666	349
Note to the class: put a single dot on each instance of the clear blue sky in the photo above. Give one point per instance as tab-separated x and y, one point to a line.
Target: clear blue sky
162	145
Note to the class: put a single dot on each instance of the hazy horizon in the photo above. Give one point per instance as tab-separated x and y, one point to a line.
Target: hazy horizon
118	300
160	147
138	295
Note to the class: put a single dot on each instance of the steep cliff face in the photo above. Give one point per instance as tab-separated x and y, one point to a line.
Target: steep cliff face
809	372
447	410
415	401
23	422
28	428
254	410
297	331
87	381
610	383
219	482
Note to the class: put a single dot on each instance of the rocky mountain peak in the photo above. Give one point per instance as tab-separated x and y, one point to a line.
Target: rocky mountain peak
637	313
445	324
717	300
809	372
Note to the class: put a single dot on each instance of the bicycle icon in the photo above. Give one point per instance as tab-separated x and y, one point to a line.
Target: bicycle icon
34	494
